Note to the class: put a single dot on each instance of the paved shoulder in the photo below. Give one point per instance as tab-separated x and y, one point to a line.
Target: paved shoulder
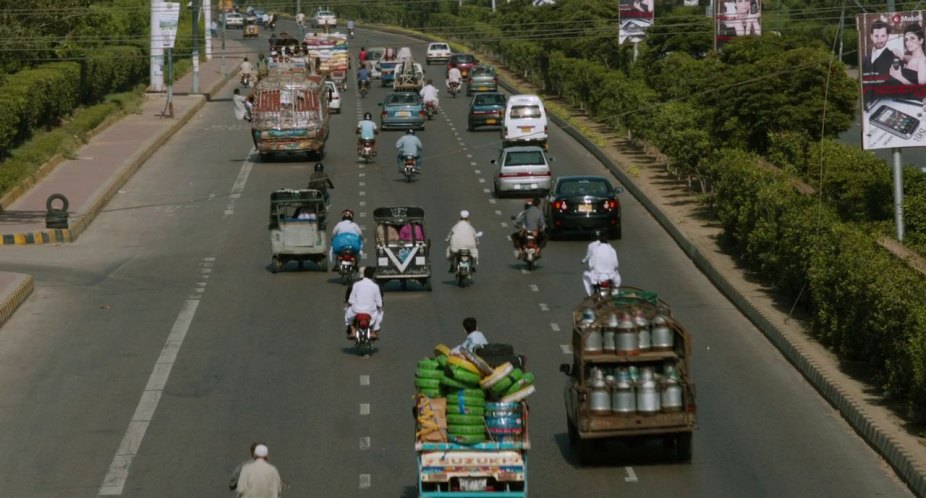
14	288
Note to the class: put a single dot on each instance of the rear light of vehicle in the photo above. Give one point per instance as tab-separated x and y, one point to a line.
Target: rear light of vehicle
611	204
385	114
522	174
560	205
421	114
495	80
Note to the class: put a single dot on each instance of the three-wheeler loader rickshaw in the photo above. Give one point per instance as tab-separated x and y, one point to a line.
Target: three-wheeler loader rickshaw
401	246
298	220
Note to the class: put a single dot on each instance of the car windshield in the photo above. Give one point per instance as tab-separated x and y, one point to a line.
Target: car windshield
525	111
401	98
599	188
490	99
327	13
439	46
483	71
464	59
524	158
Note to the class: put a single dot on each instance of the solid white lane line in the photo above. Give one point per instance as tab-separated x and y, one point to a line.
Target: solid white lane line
364	408
114	482
567	348
544	307
631	475
554	327
238	186
364	380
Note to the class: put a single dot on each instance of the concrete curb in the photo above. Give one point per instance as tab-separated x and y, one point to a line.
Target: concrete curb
861	422
16	294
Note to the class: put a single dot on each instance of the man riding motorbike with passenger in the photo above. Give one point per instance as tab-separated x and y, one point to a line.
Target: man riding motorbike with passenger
365	297
529	220
602	264
454	77
345	235
409	145
463	236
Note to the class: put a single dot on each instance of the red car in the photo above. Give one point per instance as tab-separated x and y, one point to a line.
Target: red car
463	62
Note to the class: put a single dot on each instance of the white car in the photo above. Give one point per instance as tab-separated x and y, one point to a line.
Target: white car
438	52
234	20
334	97
325	18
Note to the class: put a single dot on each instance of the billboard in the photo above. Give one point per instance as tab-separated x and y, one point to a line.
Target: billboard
892	77
736	18
636	18
165	26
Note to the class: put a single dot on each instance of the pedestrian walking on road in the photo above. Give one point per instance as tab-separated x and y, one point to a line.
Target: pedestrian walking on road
259	478
233	480
214	28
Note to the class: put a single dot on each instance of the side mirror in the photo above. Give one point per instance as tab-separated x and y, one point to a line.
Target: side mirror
566	368
492	161
380	104
550	159
618	190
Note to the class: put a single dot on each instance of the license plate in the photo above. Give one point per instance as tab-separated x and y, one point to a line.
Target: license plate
403	114
490	121
464	73
525	128
585	208
517	186
472	484
534	186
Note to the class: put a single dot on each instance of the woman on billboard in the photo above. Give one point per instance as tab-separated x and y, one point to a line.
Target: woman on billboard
913	69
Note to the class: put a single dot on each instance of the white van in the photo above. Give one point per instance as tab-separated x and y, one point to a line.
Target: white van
525	121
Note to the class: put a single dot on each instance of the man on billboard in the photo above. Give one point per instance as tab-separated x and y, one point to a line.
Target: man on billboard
879	59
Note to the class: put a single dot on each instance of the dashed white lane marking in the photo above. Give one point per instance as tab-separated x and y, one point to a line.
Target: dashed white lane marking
365	443
238	186
361	175
364	408
361	193
498	212
365	481
492	201
115	479
469	156
478	172
567	348
363	214
363	203
631	475
544	307
482	180
485	190
554	327
364	380
362	184
473	163
534	288
504	224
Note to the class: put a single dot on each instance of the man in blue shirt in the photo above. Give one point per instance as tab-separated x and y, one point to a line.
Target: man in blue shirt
367	129
409	145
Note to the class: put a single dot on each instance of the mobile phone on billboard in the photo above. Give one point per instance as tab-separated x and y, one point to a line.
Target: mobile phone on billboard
891	120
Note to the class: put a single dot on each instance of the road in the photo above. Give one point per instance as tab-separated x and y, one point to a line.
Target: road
157	347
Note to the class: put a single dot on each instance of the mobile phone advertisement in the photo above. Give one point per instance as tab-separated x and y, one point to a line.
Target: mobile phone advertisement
892	76
734	18
636	17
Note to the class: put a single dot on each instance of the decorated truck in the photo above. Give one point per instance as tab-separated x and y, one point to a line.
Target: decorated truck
329	56
289	114
630	374
471	435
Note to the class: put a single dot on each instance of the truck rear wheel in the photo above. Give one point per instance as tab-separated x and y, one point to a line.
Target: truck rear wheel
683	447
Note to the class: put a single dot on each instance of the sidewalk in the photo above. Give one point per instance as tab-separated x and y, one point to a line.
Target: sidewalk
101	167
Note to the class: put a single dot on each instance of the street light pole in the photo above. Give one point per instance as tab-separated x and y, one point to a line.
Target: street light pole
196	7
224	26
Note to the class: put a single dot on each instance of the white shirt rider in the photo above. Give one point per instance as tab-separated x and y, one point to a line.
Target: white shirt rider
429	94
602	265
463	236
346	226
365	297
454	76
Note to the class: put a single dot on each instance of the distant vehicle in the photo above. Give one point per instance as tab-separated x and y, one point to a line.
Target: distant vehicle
438	52
325	18
583	204
482	78
524	169
234	20
525	121
486	109
334	97
402	110
259	14
386	70
463	62
374	54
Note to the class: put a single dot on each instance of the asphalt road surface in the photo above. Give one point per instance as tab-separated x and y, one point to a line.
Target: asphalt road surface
157	347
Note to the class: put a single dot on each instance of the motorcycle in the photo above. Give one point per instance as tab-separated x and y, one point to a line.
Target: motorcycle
530	249
430	109
347	265
365	150
350	33
364	87
409	167
463	267
603	288
247	80
362	327
454	88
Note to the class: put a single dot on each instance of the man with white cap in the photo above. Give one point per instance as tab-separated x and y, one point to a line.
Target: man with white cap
259	479
463	236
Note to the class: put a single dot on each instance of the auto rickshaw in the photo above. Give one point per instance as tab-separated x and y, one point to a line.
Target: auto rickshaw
298	220
251	29
401	246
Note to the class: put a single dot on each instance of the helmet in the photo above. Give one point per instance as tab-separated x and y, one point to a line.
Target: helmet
319	167
347	214
410	132
367	116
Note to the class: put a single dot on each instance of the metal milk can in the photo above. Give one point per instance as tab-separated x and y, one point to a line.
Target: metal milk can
625	339
623	398
599	399
663	336
643	333
648	399
671	395
608	335
591	332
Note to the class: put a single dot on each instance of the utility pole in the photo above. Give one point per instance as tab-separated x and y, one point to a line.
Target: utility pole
897	154
196	6
156	73
224	27
207	22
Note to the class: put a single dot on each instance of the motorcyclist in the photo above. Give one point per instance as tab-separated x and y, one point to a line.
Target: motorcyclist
350	26
454	76
409	145
363	76
319	180
602	264
365	297
530	219
463	236
429	94
362	56
246	70
367	129
346	234
262	69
